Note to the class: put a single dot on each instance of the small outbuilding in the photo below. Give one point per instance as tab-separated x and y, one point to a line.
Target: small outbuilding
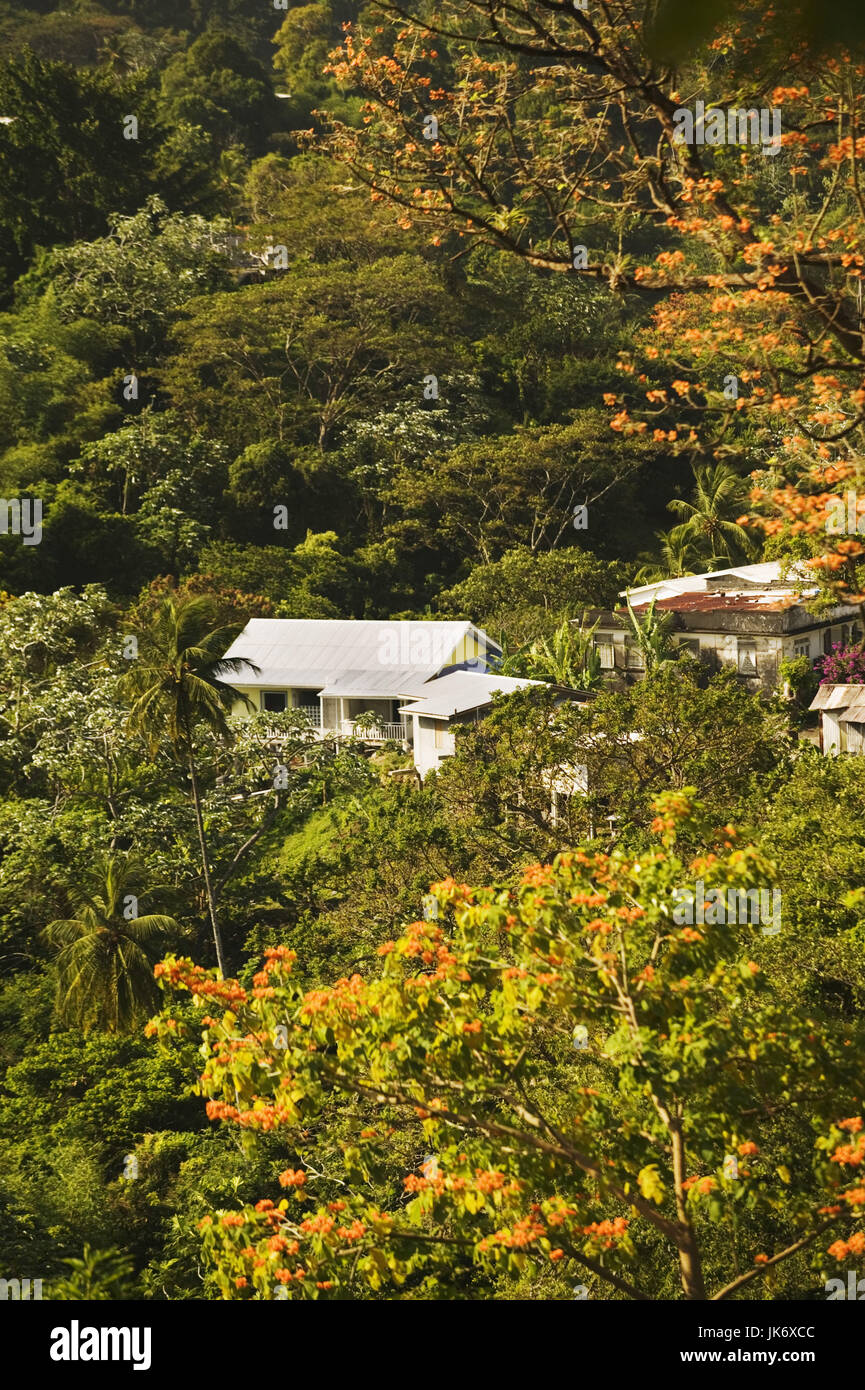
842	718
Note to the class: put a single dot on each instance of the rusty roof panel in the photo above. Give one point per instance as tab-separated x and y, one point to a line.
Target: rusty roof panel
764	602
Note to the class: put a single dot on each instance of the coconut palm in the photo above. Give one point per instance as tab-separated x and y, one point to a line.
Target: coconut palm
230	169
105	959
708	522
676	558
176	685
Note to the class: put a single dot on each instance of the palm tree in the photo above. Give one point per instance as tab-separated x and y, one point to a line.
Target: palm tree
720	495
105	960
176	685
677	557
708	521
653	636
230	169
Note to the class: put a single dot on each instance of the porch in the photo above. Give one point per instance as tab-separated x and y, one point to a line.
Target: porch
335	726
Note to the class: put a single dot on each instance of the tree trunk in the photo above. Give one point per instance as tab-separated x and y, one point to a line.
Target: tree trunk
689	1256
205	867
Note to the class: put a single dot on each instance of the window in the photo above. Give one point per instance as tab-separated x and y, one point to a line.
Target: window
273	701
606	654
856	635
845	635
635	659
691	645
747	654
827	640
442	737
802	647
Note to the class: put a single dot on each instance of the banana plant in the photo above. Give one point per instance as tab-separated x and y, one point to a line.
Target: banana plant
653	635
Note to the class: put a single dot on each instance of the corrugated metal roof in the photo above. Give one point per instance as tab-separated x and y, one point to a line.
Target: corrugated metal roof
365	656
462	691
838	697
399	681
769	601
763	576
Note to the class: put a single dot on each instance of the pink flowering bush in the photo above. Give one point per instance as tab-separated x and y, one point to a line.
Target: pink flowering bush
842	666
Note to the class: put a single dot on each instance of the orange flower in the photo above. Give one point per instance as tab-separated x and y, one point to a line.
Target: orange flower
292	1177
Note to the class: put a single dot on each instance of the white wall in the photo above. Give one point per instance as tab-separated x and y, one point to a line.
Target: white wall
831	732
426	756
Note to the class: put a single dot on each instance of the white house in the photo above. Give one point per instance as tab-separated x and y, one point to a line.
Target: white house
457	698
335	670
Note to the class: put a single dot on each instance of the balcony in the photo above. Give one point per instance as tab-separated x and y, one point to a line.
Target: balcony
377	733
345	728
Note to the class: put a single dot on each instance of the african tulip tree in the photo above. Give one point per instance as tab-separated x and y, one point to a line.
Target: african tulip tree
556	134
585	1074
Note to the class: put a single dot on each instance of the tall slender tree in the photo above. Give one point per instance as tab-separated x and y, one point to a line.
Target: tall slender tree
176	684
675	557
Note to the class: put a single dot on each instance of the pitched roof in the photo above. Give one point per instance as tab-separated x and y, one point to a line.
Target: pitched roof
847	701
760	601
462	691
741	579
348	657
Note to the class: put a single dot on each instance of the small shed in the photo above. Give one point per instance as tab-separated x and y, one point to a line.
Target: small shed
842	718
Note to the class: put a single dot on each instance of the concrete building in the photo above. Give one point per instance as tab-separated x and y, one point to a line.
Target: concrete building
335	670
751	618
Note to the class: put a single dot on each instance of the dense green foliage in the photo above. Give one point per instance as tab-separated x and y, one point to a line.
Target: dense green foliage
241	387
